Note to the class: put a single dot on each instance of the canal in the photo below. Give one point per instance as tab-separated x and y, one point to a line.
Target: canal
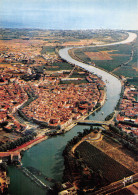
47	155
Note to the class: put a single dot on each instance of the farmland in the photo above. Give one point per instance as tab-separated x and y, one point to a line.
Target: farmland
103	55
59	66
48	49
118	59
60	36
37	46
126	71
97	160
107	58
118	153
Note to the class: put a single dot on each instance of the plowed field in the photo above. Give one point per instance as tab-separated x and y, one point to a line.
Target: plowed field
103	55
97	160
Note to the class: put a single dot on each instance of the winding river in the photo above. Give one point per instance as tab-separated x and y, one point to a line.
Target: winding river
47	156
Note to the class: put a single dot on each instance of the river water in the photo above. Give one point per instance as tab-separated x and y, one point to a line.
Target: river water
47	155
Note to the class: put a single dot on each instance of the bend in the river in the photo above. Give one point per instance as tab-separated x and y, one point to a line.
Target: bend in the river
47	155
113	84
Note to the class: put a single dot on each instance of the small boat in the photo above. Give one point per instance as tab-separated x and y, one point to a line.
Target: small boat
102	113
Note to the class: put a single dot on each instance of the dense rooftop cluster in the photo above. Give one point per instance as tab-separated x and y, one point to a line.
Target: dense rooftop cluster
129	110
3	181
25	58
58	105
12	96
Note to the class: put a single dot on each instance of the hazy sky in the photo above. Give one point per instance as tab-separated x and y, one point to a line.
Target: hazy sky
69	14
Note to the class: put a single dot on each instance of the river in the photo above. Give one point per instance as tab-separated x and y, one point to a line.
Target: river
47	155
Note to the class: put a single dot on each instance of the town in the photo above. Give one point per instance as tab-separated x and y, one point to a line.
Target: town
43	95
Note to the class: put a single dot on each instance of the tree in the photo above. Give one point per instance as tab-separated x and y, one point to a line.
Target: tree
57	188
34	134
121	133
77	154
91	127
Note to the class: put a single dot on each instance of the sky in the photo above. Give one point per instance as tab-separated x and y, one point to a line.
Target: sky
69	14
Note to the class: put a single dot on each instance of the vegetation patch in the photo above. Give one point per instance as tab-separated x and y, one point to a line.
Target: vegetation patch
48	50
103	55
75	82
59	66
126	71
95	159
133	81
16	143
108	58
110	116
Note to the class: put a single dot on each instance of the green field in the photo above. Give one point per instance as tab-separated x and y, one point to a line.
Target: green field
126	71
109	65
77	75
48	50
133	81
117	64
59	66
74	82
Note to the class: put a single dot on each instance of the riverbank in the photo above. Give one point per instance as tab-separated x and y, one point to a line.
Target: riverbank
86	154
84	116
29	144
73	124
72	54
39	139
44	134
47	156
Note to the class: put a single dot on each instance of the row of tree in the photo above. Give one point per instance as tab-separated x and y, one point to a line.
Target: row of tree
75	165
121	96
16	143
128	140
31	97
75	140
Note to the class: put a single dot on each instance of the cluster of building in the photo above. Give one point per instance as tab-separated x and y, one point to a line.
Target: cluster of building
68	188
128	111
21	58
12	96
5	157
58	105
4	181
92	78
13	57
51	58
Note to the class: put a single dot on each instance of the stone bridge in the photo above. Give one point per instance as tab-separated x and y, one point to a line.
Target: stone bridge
93	122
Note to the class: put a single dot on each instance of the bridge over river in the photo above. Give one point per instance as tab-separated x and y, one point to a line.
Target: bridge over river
93	122
48	154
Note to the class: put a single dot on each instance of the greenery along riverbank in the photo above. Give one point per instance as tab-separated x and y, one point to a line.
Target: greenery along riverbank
119	59
16	143
75	167
56	145
105	56
86	164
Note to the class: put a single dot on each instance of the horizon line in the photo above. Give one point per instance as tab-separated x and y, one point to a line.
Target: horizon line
30	28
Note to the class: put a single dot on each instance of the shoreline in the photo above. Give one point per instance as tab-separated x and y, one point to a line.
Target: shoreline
68	128
80	60
88	114
84	116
